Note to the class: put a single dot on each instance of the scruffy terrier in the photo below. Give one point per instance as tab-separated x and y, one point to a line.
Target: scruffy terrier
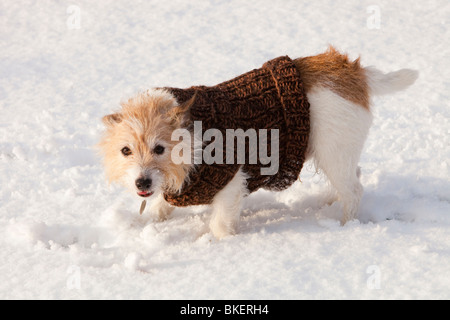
168	144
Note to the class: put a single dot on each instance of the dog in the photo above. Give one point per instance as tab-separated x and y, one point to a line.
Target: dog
138	144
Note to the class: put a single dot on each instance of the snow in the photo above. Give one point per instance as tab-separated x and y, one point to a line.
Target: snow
68	235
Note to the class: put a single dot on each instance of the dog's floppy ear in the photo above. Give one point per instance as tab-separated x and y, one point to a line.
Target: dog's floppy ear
112	119
178	113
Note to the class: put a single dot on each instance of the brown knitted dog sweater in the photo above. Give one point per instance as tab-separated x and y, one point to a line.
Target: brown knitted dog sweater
271	97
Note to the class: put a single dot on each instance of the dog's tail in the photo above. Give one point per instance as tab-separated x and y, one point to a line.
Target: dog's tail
385	83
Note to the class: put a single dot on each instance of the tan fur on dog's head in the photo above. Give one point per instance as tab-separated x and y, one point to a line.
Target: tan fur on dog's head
137	142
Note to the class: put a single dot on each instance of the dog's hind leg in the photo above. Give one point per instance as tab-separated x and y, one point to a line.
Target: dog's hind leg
349	191
227	205
338	130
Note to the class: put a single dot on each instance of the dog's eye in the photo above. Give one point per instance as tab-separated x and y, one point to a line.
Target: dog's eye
126	151
159	149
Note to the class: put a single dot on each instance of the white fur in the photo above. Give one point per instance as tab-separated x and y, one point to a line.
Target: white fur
227	205
163	94
161	208
338	131
129	178
385	83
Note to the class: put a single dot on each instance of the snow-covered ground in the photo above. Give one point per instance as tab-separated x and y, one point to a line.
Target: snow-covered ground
67	234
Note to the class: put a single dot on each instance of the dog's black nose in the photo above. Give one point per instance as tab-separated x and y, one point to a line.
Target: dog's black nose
143	183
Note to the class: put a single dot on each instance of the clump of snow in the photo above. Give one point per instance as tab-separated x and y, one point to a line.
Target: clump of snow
67	234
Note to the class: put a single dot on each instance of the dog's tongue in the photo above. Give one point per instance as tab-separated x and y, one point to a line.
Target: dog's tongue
145	193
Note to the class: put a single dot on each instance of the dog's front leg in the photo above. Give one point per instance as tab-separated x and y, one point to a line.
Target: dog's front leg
227	205
161	208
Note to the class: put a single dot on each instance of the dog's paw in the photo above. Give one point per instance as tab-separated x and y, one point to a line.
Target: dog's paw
162	214
161	211
220	229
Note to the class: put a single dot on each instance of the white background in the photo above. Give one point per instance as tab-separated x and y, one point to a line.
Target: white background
67	234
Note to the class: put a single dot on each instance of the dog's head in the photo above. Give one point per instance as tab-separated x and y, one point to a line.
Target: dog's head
137	143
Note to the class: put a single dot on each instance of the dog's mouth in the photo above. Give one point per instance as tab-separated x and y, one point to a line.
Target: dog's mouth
145	194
